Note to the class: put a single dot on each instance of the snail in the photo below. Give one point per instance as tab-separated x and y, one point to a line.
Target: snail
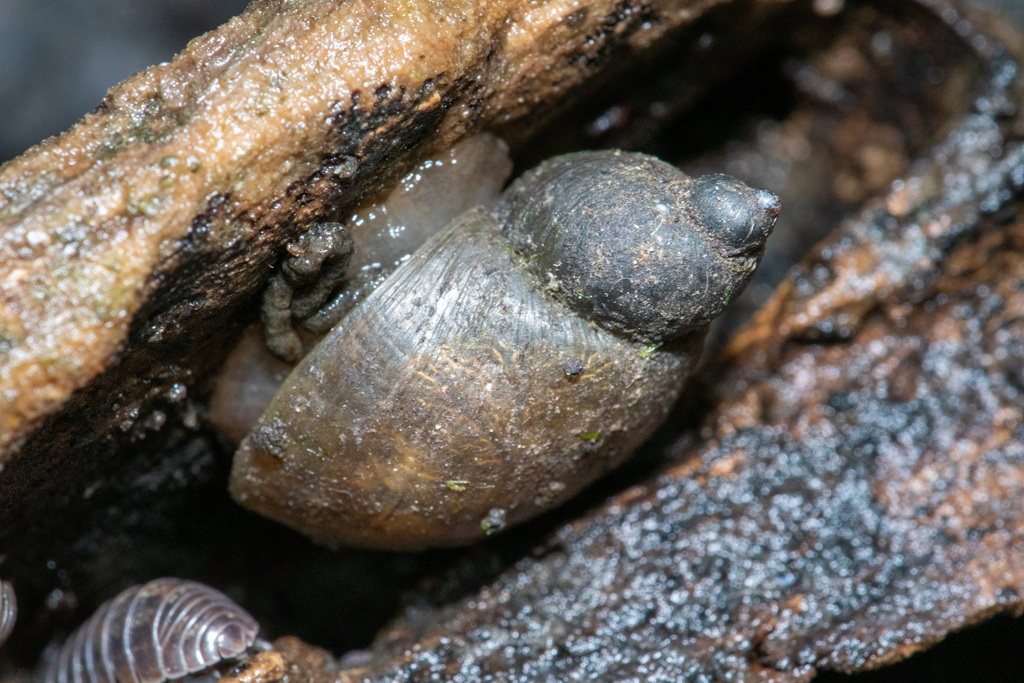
524	350
158	631
8	611
384	233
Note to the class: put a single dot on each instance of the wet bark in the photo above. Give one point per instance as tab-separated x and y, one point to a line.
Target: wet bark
132	246
854	494
126	240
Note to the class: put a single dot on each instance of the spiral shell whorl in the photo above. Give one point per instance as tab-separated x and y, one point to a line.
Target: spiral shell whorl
161	630
8	611
634	244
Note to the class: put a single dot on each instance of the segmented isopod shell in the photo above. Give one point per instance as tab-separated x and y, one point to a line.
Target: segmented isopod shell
161	630
8	611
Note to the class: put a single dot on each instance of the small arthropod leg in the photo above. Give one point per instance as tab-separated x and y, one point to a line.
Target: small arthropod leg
315	266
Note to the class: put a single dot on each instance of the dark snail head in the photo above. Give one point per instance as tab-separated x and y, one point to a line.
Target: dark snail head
635	245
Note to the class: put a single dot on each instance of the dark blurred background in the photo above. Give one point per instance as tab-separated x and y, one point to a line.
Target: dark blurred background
59	57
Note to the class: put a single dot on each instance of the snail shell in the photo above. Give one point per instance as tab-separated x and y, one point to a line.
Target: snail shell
8	611
161	630
523	351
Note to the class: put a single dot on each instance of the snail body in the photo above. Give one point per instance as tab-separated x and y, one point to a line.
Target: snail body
8	611
523	351
384	233
158	631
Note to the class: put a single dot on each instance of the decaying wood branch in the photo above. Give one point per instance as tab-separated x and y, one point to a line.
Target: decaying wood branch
183	183
860	492
131	245
857	493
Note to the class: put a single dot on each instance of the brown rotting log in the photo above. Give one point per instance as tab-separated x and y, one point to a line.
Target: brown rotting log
178	189
855	503
131	245
858	503
857	495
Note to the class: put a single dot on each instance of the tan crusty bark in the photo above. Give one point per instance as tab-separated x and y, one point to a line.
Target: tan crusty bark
190	174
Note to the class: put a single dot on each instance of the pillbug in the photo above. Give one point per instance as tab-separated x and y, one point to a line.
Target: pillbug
8	611
158	631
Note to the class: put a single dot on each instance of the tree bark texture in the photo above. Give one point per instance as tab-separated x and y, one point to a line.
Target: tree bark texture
856	491
164	208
